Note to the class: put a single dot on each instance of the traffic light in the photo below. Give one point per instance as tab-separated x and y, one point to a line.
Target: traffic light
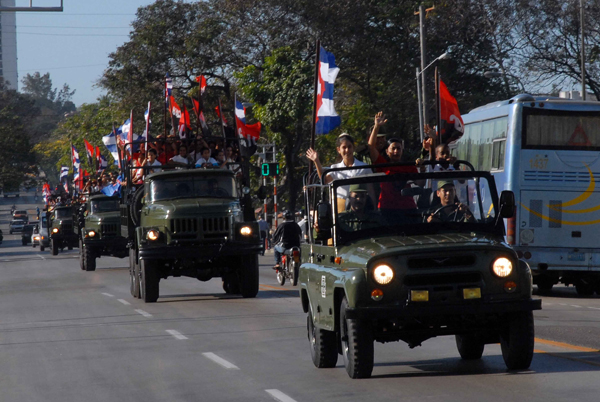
270	169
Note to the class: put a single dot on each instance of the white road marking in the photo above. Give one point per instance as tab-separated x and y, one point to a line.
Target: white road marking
176	334
595	308
108	294
280	396
574	305
125	302
144	313
42	257
220	360
562	304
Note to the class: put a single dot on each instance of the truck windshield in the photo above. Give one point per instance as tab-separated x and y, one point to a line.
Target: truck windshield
63	213
437	204
192	187
104	206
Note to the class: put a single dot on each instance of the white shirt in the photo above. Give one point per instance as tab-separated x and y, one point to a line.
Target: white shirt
201	161
180	159
155	163
342	191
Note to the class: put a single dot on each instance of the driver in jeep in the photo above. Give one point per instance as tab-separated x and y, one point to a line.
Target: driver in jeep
451	209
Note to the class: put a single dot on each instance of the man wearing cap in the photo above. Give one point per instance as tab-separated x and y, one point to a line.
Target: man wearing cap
451	209
357	217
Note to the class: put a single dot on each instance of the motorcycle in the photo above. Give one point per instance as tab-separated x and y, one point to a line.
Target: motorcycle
290	264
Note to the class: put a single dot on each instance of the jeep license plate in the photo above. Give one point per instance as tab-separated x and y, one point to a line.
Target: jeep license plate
576	257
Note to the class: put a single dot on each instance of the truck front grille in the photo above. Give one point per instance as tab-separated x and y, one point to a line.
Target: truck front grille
184	225
191	229
67	227
219	225
109	229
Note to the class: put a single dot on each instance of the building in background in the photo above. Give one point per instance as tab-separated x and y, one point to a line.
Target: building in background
8	45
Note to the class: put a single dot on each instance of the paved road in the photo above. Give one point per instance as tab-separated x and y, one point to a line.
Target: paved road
69	335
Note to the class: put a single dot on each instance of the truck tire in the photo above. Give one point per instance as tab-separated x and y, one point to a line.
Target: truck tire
357	344
89	258
24	242
323	345
54	246
135	211
469	347
149	283
81	259
248	276
517	341
134	284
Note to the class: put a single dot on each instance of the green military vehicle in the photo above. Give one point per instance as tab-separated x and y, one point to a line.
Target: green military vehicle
433	262
190	222
101	231
62	229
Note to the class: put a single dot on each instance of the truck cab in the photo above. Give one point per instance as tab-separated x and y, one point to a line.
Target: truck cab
62	230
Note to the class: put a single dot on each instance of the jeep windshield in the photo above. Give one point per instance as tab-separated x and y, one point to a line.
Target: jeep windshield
419	204
104	206
170	188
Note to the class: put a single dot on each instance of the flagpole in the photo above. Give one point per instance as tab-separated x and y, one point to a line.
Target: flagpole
147	128
421	122
438	138
72	163
222	122
314	116
165	111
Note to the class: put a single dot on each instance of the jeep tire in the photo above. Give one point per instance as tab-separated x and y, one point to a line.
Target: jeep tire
81	259
248	276
517	341
149	281
89	259
42	248
54	246
357	344
470	347
323	345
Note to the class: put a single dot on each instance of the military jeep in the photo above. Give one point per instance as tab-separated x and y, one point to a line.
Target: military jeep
62	231
436	264
190	222
101	231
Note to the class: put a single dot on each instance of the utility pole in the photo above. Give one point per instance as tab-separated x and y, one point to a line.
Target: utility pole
581	15
423	34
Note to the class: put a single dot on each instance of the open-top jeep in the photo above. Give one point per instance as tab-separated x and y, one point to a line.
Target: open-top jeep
62	231
194	223
101	231
434	264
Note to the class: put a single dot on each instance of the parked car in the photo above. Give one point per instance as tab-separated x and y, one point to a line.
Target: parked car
40	237
16	225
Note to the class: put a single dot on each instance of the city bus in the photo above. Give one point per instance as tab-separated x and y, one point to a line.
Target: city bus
547	151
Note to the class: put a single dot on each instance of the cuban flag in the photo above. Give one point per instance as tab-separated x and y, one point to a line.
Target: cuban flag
102	163
76	163
110	141
168	87
327	118
240	111
249	132
89	148
64	173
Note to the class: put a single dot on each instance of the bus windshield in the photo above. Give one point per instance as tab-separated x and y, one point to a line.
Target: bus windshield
561	130
192	187
454	203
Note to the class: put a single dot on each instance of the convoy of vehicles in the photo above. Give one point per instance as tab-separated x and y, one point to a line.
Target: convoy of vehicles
192	223
424	270
545	150
62	226
100	233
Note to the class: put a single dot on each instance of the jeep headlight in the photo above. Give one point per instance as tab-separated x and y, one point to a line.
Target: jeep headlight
91	233
502	267
383	274
54	230
152	234
36	237
246	231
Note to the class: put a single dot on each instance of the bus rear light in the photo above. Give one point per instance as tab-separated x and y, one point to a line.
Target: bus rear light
511	225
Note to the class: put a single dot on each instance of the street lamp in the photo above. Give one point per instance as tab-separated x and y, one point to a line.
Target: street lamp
443	56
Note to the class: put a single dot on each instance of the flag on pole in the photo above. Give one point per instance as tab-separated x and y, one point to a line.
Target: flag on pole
174	108
46	192
168	87
98	159
148	122
200	115
250	132
218	111
110	141
89	148
452	127
327	118
202	82
102	164
184	123
76	163
64	173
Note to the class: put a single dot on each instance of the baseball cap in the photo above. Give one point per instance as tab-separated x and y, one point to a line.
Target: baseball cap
358	188
443	183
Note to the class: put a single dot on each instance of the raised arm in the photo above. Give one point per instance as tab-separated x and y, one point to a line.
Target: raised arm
379	121
314	156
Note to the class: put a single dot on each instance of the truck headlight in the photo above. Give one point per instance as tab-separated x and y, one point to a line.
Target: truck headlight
91	233
152	234
54	230
502	267
383	274
246	231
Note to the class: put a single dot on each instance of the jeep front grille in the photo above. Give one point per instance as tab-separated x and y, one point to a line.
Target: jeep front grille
458	278
442	261
109	229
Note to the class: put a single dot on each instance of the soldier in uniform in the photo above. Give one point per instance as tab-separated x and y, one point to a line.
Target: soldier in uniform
359	216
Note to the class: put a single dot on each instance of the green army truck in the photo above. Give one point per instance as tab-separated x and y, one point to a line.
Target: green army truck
101	231
63	232
433	262
192	223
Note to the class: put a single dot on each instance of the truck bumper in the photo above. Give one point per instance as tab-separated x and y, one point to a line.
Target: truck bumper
200	251
71	240
424	310
116	246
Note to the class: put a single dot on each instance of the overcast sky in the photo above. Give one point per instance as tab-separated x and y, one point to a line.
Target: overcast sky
73	46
